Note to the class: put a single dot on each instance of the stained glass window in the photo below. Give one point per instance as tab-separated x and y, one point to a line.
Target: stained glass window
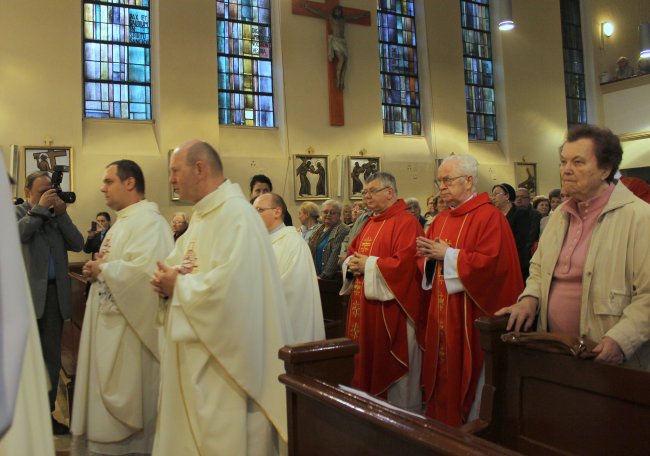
479	80
400	90
244	62
574	71
117	68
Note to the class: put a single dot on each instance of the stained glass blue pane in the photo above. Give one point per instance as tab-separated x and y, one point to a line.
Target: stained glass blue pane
116	50
244	62
398	67
479	80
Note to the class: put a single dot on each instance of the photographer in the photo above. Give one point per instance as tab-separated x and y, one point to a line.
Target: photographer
97	233
47	233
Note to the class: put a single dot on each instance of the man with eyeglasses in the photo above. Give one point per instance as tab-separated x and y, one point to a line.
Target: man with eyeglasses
296	268
522	200
471	267
382	277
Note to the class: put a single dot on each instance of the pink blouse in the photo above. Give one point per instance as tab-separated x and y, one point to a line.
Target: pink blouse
566	287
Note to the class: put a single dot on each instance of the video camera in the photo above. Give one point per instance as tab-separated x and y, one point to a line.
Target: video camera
57	178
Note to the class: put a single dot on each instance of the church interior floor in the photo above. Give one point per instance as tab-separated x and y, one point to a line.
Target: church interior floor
65	445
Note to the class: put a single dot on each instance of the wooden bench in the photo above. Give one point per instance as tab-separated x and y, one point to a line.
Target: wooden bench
534	401
334	307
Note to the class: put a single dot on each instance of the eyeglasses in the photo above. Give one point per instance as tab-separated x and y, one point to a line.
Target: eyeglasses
446	181
329	212
262	209
372	191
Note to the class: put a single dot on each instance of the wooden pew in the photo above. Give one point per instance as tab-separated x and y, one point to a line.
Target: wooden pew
324	420
539	402
534	401
334	307
72	330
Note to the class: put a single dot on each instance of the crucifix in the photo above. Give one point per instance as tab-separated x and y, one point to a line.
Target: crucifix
337	51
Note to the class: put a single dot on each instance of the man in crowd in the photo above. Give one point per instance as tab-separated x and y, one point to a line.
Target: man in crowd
47	233
522	200
116	388
413	206
471	267
296	268
96	236
382	277
225	319
261	184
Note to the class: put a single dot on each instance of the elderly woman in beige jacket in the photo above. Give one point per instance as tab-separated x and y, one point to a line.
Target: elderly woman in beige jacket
590	276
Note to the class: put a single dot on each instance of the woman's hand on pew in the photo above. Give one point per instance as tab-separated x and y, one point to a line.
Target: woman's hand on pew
521	313
609	351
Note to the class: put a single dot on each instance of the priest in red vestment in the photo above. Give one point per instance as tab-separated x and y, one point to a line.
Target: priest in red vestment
382	276
472	269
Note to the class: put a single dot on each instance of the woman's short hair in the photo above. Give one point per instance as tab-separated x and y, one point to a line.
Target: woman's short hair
607	146
539	199
331	202
311	209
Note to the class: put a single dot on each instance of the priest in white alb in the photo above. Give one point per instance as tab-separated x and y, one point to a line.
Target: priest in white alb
116	388
25	420
225	321
297	270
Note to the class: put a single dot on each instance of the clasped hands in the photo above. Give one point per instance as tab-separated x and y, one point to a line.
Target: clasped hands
357	263
164	280
434	249
91	269
522	314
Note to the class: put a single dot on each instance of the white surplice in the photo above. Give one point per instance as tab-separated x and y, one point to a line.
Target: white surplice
300	284
226	321
25	421
116	387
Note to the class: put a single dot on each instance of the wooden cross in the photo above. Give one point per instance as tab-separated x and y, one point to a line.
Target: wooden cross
351	15
43	165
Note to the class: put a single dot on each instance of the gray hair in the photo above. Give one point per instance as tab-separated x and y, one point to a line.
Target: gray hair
331	202
412	202
182	215
385	179
310	209
467	165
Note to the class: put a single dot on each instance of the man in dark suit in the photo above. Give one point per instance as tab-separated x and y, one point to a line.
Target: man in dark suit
47	233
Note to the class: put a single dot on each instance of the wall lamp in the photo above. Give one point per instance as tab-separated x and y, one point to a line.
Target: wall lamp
505	15
606	30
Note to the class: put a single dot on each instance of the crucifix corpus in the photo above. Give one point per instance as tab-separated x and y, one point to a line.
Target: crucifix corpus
337	49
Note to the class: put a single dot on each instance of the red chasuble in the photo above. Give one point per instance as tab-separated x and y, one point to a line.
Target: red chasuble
488	267
380	326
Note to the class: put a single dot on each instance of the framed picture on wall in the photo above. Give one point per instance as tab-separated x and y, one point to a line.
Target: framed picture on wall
526	177
359	169
45	158
311	177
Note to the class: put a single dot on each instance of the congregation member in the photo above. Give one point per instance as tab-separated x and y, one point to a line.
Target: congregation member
554	199
471	267
590	276
180	222
519	221
296	269
360	216
346	214
382	278
25	421
261	184
116	386
542	205
522	200
308	216
435	206
413	206
225	319
97	233
325	243
47	234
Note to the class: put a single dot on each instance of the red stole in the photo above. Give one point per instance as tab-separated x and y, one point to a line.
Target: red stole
488	267
379	327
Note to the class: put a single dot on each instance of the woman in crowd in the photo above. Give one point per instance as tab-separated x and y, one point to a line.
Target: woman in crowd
308	216
347	215
180	222
358	208
542	205
435	205
503	197
325	243
590	276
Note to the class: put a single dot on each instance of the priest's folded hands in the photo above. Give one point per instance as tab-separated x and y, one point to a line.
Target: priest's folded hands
164	279
91	269
357	263
431	248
